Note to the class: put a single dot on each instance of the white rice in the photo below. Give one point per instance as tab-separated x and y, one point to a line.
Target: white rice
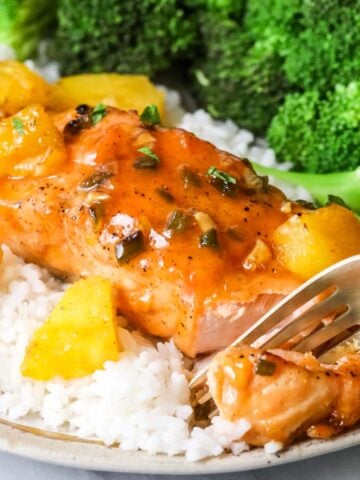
141	401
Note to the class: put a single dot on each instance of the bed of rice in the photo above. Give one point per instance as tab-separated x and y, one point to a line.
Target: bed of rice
141	401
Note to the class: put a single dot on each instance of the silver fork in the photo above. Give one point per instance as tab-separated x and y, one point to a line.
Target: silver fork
333	294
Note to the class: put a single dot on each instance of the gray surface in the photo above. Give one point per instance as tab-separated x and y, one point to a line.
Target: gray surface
343	465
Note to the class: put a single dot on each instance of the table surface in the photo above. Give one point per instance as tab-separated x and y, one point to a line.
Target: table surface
344	465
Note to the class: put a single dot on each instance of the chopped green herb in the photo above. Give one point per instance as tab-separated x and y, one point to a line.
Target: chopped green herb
149	153
225	177
165	194
145	162
151	115
265	367
224	182
95	180
98	113
178	222
151	160
338	200
129	247
209	239
96	212
18	125
190	178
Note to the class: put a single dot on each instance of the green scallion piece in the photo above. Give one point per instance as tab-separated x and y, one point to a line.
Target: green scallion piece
18	125
224	182
98	113
265	367
149	153
190	178
225	177
96	212
209	239
149	161
150	115
129	247
178	222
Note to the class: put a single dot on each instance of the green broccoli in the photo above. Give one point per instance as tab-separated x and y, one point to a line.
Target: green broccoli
273	20
240	72
345	185
123	36
24	22
319	135
324	50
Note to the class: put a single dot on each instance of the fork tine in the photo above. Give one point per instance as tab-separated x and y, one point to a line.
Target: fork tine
345	321
300	296
334	276
314	314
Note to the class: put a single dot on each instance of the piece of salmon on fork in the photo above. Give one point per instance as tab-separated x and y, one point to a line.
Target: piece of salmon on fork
190	236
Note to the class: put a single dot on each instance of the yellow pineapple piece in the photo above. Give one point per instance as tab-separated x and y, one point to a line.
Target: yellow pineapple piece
309	243
123	91
30	144
19	87
78	337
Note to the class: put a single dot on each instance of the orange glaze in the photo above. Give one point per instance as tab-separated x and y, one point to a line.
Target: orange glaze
173	288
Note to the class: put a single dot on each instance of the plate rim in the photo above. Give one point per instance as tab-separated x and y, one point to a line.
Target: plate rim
91	456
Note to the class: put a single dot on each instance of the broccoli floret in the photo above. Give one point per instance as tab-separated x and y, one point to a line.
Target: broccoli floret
237	78
24	22
123	36
319	135
240	73
234	9
325	51
273	20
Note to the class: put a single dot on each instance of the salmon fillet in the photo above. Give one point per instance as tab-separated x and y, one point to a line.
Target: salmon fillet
285	395
180	228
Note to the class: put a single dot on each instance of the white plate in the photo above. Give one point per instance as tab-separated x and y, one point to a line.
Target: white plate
81	454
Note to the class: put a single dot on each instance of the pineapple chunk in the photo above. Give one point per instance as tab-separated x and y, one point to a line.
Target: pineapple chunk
122	91
19	87
315	240
78	337
30	144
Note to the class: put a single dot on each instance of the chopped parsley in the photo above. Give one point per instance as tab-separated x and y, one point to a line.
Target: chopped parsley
149	161
213	172
98	113
224	182
150	115
265	367
209	239
178	222
149	153
129	247
190	178
18	125
96	212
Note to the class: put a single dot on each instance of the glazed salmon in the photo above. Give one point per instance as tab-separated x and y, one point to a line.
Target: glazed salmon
181	228
285	395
